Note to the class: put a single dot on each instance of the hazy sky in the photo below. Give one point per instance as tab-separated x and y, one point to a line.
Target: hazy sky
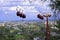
30	8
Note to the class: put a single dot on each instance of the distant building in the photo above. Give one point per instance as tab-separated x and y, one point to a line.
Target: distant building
2	24
51	22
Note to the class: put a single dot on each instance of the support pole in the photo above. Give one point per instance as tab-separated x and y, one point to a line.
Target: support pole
47	30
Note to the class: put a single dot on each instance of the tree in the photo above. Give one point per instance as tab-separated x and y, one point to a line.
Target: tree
55	4
58	25
7	33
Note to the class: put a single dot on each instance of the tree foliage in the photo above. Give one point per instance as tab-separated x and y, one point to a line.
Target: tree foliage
58	24
55	4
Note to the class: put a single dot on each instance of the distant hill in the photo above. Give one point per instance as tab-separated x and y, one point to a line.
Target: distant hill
22	20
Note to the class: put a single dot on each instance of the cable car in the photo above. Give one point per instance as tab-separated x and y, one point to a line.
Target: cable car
23	16
40	16
20	14
17	13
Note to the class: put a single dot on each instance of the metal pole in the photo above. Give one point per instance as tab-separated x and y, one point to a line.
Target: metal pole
47	30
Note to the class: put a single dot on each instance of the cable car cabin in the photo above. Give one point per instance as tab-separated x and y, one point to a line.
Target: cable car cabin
20	14
40	17
23	16
17	13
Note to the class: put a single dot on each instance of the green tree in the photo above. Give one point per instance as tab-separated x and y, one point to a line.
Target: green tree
55	6
7	33
58	25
